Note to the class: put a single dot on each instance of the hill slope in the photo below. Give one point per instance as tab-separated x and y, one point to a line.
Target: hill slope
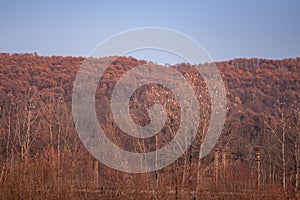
263	102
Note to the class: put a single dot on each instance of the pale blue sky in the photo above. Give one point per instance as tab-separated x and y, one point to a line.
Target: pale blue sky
226	29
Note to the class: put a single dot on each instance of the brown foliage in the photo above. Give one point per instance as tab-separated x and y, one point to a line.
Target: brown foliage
36	102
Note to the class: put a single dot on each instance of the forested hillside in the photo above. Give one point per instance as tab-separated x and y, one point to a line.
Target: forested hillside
258	154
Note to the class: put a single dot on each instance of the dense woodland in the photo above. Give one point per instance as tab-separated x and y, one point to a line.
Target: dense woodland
42	157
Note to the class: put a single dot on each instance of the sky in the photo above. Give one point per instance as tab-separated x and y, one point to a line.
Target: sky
226	29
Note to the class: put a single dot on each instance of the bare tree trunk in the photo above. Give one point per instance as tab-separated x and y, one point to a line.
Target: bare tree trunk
280	136
96	174
297	168
297	152
199	165
185	163
156	160
274	170
258	167
4	171
216	167
199	176
184	173
283	158
224	164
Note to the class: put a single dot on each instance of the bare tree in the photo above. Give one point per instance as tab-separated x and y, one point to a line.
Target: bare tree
6	116
280	132
28	124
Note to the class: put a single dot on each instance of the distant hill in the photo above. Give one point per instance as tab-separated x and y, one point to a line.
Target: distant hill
253	86
263	101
